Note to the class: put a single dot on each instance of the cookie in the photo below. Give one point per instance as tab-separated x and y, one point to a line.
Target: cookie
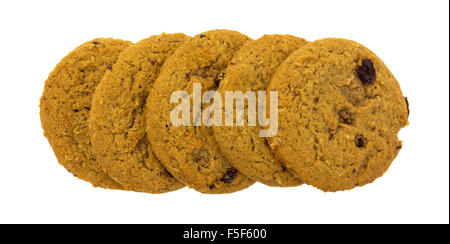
190	153
66	103
251	69
340	110
117	117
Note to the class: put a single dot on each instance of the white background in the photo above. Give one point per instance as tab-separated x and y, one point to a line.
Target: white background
412	38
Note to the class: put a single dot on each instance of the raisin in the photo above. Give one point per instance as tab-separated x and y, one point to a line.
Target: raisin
110	67
360	141
366	72
407	105
283	168
211	186
95	42
229	176
202	36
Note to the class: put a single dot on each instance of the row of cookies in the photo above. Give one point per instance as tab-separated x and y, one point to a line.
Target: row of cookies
106	113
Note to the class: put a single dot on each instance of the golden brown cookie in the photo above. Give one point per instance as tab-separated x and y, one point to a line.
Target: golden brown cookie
190	153
117	117
66	102
251	69
340	110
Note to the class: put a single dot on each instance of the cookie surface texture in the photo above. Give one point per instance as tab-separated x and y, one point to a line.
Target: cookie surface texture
66	103
190	153
340	110
251	69
117	118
